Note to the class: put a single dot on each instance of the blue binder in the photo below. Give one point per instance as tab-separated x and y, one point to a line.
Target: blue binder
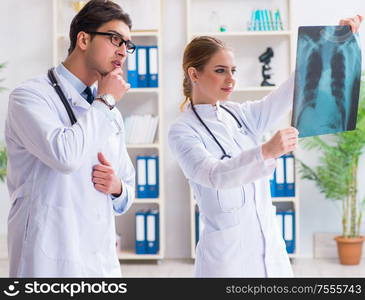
152	240
273	184
147	177
289	230
197	229
280	178
152	73
289	176
141	247
142	66
141	163
152	177
132	74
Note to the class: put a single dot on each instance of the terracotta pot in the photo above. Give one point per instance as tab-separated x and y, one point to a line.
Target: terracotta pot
349	249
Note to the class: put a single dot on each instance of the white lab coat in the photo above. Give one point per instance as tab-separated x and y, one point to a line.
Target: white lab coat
233	195
59	225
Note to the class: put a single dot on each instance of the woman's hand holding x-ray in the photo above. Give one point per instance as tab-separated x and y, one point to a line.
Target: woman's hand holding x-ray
284	141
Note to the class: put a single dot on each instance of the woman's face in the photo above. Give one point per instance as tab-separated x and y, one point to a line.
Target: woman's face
216	81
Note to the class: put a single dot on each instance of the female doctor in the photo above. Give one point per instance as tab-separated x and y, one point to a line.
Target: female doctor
217	145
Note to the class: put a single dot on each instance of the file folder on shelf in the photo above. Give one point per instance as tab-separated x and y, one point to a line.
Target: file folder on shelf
289	176
280	178
142	66
273	184
141	227
285	215
141	177
152	221
132	74
152	66
147	177
199	226
282	183
289	230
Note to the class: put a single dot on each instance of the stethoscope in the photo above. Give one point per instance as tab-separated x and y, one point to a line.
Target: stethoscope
53	78
225	154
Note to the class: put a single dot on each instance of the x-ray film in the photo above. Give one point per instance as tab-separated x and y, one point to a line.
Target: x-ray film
327	80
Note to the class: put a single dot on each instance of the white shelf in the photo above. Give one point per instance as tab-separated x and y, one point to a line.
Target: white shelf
146	200
131	255
244	33
145	33
143	90
138	146
283	199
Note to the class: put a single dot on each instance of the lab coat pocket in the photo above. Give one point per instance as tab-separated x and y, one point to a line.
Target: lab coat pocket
231	199
60	239
222	253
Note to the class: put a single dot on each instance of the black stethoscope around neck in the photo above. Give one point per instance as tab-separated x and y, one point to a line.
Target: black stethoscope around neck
225	154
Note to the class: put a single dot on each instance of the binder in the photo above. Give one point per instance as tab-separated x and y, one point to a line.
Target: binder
257	20
140	232
289	230
267	19
251	25
285	216
280	221
142	66
152	175
152	221
132	74
141	177
147	177
273	184
289	176
280	178
152	66
197	226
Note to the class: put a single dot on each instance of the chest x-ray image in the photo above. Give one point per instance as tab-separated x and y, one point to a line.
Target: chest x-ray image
327	80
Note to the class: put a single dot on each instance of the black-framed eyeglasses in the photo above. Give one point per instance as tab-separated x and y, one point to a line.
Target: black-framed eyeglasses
117	40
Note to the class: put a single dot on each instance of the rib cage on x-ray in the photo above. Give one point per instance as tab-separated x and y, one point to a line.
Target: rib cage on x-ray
327	80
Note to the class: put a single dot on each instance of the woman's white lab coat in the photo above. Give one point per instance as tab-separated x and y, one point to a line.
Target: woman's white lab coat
59	225
225	189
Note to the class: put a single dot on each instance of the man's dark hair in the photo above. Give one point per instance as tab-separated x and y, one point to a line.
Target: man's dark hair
93	15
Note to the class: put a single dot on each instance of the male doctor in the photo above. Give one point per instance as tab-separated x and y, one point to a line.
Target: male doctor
67	181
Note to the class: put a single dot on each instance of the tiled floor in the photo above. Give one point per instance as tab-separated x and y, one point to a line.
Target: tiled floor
303	267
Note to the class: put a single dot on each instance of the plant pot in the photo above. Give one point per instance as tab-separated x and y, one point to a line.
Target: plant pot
349	249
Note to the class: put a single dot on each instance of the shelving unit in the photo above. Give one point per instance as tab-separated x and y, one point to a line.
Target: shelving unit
136	101
247	46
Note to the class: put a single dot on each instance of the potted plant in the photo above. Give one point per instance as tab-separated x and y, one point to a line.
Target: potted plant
3	156
337	178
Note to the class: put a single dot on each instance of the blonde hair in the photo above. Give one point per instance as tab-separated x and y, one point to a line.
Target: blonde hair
197	54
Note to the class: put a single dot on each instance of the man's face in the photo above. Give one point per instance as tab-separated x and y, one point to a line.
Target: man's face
102	55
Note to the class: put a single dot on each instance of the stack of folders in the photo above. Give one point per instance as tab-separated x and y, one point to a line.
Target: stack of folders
282	183
141	129
142	67
147	176
198	225
285	215
265	20
147	231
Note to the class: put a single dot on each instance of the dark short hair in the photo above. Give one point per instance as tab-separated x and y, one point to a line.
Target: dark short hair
93	15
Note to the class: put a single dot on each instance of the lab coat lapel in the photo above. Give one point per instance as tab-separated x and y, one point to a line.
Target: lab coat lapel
73	96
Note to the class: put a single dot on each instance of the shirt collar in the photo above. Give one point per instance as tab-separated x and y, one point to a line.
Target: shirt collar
76	83
206	110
